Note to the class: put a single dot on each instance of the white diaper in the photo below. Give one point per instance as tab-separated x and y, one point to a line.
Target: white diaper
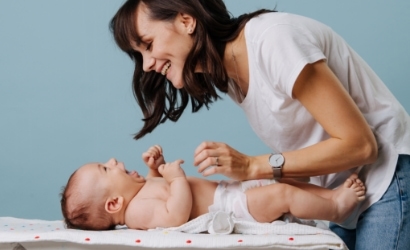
230	197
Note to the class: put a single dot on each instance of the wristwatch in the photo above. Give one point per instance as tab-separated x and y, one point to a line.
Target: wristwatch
276	161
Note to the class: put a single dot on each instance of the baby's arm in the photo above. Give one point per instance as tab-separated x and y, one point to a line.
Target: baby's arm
179	202
174	210
153	158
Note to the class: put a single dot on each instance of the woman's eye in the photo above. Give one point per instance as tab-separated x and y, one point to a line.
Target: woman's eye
148	46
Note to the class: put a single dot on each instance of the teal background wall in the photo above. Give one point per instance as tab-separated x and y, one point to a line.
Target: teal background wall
65	92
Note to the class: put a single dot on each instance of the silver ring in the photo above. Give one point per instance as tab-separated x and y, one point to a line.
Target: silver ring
216	161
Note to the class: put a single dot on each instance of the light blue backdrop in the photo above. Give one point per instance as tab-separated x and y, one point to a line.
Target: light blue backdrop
66	93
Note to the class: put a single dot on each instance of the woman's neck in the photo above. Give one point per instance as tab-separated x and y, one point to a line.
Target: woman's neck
236	63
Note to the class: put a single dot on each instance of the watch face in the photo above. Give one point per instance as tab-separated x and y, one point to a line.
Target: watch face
276	160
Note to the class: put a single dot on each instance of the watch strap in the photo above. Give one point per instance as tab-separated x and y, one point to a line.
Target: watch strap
277	170
277	173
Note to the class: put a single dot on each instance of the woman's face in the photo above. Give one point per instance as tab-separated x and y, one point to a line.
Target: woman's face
165	45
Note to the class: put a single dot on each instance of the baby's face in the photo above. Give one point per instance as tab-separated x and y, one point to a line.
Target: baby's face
111	176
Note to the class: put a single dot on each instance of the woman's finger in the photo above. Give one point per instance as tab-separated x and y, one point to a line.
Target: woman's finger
202	146
209	171
217	162
209	162
204	151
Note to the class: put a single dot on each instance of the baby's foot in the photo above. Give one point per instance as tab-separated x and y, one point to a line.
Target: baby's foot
347	196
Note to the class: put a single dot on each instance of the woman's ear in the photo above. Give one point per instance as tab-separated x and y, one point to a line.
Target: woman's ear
188	22
114	204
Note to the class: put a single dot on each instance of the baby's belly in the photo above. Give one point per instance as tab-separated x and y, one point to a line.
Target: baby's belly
202	195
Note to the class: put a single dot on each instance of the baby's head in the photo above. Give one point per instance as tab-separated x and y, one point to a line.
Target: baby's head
97	194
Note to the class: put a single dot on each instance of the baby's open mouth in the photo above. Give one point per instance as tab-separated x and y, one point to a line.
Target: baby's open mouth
132	173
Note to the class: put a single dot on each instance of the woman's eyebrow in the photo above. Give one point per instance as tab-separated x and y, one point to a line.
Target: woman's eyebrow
139	39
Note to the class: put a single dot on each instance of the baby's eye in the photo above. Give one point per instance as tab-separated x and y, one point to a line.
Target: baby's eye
105	169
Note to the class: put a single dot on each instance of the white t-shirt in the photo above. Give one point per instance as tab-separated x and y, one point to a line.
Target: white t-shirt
279	46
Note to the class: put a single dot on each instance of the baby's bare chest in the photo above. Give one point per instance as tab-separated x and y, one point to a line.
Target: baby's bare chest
155	189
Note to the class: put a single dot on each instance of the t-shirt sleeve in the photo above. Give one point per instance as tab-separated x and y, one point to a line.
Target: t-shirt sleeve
284	50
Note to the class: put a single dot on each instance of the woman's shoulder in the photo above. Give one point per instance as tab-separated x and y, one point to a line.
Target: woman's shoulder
283	29
278	18
281	21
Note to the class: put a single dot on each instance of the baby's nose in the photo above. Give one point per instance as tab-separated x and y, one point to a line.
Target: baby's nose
112	162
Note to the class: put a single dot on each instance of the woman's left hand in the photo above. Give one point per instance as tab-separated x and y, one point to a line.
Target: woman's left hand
219	158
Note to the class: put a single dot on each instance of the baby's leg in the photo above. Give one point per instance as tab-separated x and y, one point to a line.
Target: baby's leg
324	192
270	202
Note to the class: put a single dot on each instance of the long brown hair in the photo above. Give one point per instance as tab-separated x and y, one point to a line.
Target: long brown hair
215	26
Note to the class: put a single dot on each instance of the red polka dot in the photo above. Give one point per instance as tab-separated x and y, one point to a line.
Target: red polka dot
87	239
138	241
188	241
290	238
240	240
37	237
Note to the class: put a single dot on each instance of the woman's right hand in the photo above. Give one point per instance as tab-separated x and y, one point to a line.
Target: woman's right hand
219	158
153	157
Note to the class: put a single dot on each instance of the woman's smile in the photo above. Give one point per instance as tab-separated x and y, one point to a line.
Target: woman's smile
165	68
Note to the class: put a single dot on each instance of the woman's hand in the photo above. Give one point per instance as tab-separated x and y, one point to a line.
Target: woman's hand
153	157
219	158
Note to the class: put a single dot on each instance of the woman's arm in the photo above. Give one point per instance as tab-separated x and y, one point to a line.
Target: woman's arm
351	141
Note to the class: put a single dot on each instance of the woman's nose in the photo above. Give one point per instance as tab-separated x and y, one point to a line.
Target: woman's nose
148	63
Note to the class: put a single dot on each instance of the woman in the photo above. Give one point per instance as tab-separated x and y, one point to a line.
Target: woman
305	92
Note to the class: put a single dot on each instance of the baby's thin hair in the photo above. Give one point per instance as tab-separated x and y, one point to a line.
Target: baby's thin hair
84	214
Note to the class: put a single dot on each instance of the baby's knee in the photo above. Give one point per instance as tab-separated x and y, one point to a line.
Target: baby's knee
282	190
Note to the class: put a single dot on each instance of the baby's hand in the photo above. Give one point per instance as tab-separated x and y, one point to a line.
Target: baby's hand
153	157
171	171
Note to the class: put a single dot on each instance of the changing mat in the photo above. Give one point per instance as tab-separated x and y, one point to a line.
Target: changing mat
224	232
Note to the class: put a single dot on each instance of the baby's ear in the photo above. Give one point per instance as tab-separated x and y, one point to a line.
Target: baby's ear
114	204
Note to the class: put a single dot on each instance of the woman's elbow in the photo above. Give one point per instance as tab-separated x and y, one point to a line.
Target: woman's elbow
369	150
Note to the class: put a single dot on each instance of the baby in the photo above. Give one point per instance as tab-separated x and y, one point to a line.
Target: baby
100	196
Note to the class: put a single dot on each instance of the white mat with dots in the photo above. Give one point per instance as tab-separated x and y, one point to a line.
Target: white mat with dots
21	234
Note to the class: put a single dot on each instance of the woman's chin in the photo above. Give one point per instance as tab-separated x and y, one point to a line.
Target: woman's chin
177	84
